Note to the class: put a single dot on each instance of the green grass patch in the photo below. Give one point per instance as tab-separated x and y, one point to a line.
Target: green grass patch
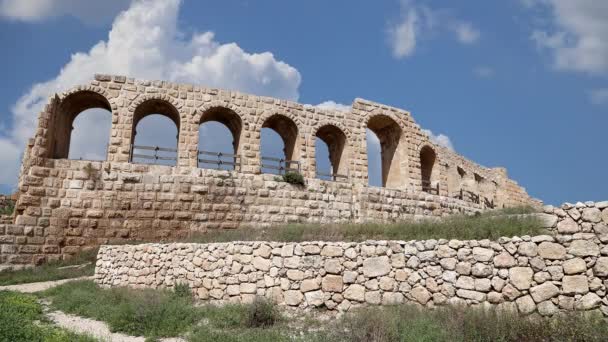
22	319
489	225
410	323
53	270
165	313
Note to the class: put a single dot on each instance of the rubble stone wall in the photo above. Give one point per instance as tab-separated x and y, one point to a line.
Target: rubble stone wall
547	274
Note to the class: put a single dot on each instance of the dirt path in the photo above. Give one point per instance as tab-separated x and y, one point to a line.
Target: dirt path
95	328
80	325
36	287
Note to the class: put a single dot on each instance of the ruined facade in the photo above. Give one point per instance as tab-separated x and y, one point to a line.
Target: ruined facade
64	204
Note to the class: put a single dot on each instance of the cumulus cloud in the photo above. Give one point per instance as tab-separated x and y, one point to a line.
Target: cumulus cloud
439	139
38	10
577	34
599	96
332	105
418	21
145	42
483	71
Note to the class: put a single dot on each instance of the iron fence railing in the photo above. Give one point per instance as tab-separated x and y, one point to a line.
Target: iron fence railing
279	165
336	177
222	160
154	153
427	186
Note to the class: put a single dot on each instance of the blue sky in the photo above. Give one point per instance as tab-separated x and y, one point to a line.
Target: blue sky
520	83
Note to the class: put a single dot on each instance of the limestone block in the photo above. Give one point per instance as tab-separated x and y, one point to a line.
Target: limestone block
355	292
575	284
544	292
504	260
583	248
593	215
521	277
574	266
525	305
568	226
293	298
332	283
601	267
551	251
420	294
376	267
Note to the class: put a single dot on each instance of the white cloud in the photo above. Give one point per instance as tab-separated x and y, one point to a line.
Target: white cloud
466	33
403	35
38	10
577	36
334	106
439	139
419	21
483	71
144	42
599	96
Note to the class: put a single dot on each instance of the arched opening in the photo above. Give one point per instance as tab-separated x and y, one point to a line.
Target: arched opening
89	134
427	164
218	142
386	137
155	133
279	140
330	157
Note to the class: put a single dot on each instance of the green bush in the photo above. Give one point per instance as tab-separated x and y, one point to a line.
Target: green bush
293	177
262	313
182	290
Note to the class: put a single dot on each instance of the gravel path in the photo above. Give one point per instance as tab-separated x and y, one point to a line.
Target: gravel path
36	287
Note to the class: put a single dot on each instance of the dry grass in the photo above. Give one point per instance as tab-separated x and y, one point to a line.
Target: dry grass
490	225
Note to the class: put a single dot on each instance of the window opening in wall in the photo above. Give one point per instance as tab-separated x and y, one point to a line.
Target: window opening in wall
279	140
219	136
330	154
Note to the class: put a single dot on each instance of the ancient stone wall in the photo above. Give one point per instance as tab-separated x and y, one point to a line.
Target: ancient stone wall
64	205
545	274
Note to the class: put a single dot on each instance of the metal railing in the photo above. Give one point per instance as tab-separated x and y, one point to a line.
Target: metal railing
427	186
232	161
154	155
279	165
336	177
466	194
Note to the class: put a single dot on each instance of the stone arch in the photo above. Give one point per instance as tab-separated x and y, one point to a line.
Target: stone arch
229	118
428	168
338	144
149	105
288	130
69	106
393	150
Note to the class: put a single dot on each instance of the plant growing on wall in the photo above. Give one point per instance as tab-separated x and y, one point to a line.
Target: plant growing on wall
293	177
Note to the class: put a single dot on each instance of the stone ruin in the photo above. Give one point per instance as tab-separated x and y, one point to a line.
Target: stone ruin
66	205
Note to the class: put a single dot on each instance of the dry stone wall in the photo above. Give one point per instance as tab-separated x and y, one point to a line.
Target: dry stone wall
545	274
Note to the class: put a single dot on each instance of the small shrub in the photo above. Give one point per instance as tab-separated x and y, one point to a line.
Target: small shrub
182	290
8	210
262	313
293	177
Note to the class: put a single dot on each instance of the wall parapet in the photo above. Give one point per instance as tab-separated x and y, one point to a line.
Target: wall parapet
543	274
